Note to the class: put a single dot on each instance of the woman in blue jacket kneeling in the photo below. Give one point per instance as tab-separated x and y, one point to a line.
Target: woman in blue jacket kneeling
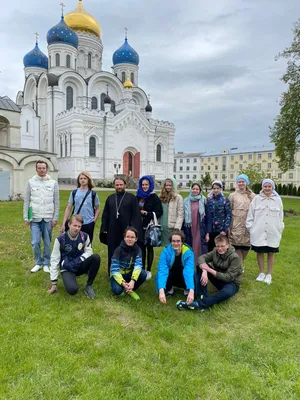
176	268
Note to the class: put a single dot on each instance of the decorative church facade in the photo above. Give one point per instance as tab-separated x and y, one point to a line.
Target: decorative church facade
92	119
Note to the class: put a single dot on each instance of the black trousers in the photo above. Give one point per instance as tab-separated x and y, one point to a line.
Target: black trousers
147	255
89	229
211	242
90	266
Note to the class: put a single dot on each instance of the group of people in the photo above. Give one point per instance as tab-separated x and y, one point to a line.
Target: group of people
204	239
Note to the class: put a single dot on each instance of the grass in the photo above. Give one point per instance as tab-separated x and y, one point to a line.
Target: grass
75	348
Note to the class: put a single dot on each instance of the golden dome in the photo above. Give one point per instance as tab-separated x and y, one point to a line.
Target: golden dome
128	84
80	20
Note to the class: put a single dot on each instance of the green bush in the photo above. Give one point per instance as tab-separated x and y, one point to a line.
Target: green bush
284	190
298	191
104	183
290	189
294	191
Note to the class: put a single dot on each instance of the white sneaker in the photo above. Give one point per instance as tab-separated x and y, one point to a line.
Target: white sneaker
261	277
149	275
170	292
46	269
36	268
268	279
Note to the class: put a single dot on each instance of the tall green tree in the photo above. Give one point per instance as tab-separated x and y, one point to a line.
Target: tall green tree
206	180
286	130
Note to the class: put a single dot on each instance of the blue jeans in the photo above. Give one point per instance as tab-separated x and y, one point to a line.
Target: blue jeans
225	291
117	289
39	229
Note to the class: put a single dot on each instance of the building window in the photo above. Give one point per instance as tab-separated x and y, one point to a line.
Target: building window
187	160
89	60
102	101
195	160
216	159
231	176
70	145
269	165
181	161
61	148
180	176
57	59
113	106
259	166
241	157
208	159
187	168
68	61
49	61
208	168
194	168
27	126
94	103
269	155
92	147
201	167
123	77
187	177
241	166
231	185
249	156
279	176
158	152
132	78
69	97
231	166
180	168
216	176
291	175
66	147
232	158
259	156
223	176
194	176
216	167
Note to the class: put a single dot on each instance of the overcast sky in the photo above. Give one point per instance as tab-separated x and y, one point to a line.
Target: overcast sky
208	65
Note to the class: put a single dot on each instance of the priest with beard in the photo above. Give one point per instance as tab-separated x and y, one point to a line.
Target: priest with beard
121	210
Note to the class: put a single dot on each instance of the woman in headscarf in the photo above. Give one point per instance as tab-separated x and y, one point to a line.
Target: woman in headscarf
149	203
265	224
172	204
240	201
220	211
197	221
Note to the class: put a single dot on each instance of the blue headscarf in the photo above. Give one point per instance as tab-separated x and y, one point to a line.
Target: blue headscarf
244	177
140	193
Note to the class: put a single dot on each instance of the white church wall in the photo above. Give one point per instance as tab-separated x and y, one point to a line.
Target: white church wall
30	127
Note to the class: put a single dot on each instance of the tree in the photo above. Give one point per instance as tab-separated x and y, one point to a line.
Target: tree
286	130
206	181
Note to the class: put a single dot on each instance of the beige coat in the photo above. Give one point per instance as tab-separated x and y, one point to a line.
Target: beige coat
240	203
175	213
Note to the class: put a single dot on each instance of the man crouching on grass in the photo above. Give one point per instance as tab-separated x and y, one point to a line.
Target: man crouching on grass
222	267
73	255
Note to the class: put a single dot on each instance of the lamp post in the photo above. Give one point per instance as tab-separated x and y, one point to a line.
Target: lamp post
117	167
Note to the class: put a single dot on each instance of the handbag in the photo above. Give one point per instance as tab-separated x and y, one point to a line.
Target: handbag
78	211
153	233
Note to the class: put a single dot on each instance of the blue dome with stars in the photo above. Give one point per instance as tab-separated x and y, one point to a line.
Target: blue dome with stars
35	58
61	33
126	54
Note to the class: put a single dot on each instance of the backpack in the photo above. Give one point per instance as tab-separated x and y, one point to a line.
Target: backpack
93	199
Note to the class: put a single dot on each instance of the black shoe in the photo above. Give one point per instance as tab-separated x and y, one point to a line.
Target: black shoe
89	291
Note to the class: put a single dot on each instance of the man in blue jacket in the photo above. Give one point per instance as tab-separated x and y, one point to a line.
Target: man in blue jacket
176	268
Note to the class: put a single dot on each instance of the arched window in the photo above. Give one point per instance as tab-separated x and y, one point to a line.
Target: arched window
68	61
49	61
113	106
57	59
66	147
158	152
70	145
132	77
89	60
92	147
102	101
61	148
94	103
123	77
69	98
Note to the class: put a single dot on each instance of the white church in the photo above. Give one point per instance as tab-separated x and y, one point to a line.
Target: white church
92	119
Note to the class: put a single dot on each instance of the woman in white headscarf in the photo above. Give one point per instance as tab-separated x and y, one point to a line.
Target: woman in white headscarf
265	224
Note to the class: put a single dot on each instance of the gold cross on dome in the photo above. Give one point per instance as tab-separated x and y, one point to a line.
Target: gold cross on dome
36	36
126	31
62	7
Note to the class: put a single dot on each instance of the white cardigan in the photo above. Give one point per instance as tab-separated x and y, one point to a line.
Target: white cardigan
265	220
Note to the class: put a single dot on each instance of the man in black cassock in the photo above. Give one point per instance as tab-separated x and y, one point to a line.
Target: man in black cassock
121	210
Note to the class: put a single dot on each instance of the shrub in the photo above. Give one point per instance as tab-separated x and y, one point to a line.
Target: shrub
104	183
284	190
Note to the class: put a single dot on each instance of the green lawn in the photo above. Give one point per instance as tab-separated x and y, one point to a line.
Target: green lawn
63	347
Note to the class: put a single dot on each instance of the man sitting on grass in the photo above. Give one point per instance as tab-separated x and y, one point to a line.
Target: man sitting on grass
73	255
222	267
